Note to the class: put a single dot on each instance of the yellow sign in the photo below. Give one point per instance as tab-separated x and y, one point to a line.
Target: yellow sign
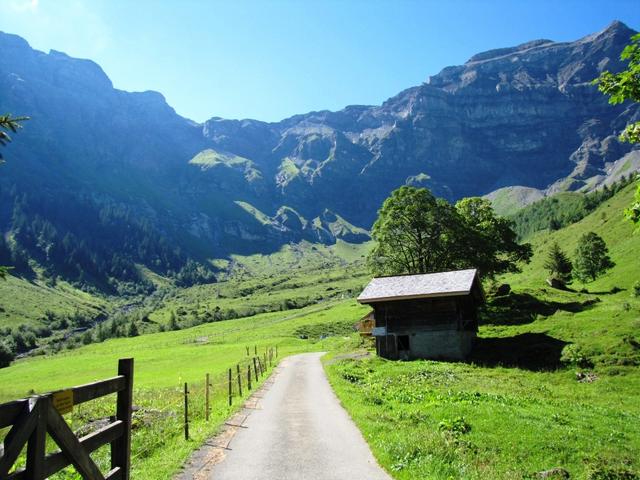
63	401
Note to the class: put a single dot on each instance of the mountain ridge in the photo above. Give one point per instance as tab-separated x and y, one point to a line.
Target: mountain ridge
525	115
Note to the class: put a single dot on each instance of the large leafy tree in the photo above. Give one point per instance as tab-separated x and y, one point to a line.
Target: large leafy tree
414	233
592	257
8	124
491	244
558	264
621	87
417	233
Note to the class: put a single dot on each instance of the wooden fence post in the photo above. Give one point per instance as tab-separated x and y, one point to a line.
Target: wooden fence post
265	360
247	351
249	376
255	368
230	388
239	379
206	397
36	448
255	349
121	447
276	351
186	412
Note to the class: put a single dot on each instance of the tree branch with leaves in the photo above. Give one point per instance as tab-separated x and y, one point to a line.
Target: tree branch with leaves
621	87
8	124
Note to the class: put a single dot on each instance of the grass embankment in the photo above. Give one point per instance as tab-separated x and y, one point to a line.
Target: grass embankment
553	383
25	302
164	361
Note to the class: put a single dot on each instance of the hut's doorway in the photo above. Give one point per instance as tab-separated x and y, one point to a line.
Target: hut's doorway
403	347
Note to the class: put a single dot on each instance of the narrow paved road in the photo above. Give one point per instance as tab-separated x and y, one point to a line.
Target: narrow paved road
299	432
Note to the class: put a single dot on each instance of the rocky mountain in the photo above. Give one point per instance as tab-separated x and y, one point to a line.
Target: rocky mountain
114	171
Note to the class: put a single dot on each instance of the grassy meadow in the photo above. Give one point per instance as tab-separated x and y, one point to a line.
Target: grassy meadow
551	389
552	384
164	361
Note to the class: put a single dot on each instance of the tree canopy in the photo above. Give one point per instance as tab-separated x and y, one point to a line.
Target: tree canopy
592	257
633	212
418	233
9	124
558	264
625	85
620	87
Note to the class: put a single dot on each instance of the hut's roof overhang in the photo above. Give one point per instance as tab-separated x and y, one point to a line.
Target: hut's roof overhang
428	285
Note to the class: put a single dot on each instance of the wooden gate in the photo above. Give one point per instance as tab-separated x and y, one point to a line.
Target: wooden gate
32	418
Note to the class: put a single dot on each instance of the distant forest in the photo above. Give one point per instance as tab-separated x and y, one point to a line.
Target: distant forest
94	244
563	209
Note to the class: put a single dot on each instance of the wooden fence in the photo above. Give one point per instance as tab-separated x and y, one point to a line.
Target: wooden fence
32	418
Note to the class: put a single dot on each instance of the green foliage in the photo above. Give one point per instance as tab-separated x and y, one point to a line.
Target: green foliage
457	426
591	257
636	289
132	331
633	212
492	245
621	87
417	233
7	355
4	271
574	355
558	264
194	273
9	124
625	85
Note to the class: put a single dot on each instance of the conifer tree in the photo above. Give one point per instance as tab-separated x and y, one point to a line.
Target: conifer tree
558	264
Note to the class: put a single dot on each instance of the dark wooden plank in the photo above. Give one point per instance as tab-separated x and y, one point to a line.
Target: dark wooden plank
58	460
10	411
81	394
70	445
121	447
17	437
36	448
90	391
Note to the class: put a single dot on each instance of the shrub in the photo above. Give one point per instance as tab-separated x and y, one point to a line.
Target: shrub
456	426
6	355
636	289
573	354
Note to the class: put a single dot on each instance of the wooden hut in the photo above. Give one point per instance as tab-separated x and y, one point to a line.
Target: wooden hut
431	315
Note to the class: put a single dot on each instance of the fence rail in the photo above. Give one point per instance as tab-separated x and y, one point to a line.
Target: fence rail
32	418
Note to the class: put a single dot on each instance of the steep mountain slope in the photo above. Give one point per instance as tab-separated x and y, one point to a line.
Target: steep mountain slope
101	181
527	115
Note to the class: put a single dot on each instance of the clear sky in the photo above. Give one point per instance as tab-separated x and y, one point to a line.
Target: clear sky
272	59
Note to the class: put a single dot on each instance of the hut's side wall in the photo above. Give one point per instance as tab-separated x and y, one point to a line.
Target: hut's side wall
443	344
435	328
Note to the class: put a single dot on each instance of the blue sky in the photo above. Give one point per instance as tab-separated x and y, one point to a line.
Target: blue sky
272	59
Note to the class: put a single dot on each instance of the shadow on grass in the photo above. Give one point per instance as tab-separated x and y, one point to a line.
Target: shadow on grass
530	351
523	308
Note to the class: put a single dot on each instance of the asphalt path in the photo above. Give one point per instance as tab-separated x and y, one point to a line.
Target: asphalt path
299	431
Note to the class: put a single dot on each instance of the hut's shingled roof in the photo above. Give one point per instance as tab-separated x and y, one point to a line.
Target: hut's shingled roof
404	287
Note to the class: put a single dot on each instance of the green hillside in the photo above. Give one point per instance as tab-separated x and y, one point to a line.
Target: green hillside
564	364
27	302
552	383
